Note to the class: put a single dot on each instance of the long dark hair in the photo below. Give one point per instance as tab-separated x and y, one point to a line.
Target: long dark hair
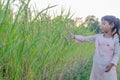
112	19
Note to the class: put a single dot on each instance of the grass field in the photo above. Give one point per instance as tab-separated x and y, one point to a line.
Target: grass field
37	49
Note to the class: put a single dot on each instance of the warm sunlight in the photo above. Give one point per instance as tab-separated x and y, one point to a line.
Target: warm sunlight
81	8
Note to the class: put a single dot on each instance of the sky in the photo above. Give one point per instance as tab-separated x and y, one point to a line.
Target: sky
80	8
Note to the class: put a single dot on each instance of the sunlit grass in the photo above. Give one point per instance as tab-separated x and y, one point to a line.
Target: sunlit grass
38	49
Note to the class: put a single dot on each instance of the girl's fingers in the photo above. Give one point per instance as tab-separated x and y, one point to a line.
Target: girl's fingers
108	68
69	37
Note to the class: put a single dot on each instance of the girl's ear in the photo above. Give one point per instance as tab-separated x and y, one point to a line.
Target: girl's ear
112	25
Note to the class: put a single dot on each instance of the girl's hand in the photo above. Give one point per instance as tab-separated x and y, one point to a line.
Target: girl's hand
70	36
108	68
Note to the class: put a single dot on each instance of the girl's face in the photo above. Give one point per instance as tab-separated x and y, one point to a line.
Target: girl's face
105	26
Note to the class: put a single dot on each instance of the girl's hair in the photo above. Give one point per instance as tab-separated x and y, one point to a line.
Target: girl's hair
112	19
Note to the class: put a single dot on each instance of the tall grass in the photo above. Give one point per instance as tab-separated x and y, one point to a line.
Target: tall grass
38	50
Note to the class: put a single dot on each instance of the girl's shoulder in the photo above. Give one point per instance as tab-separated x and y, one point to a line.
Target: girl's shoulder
99	35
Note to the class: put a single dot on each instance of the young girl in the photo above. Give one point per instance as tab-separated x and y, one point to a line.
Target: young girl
106	49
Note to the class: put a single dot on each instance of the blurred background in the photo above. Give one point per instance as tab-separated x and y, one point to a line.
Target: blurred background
33	33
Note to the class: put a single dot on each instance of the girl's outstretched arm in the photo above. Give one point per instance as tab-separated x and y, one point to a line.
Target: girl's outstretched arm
85	38
80	38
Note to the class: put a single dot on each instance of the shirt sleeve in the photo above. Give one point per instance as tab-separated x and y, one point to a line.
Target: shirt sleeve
85	38
116	52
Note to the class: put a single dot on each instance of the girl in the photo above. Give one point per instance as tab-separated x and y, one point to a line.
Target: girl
106	49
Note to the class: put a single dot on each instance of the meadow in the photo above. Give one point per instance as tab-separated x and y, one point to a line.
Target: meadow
37	49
